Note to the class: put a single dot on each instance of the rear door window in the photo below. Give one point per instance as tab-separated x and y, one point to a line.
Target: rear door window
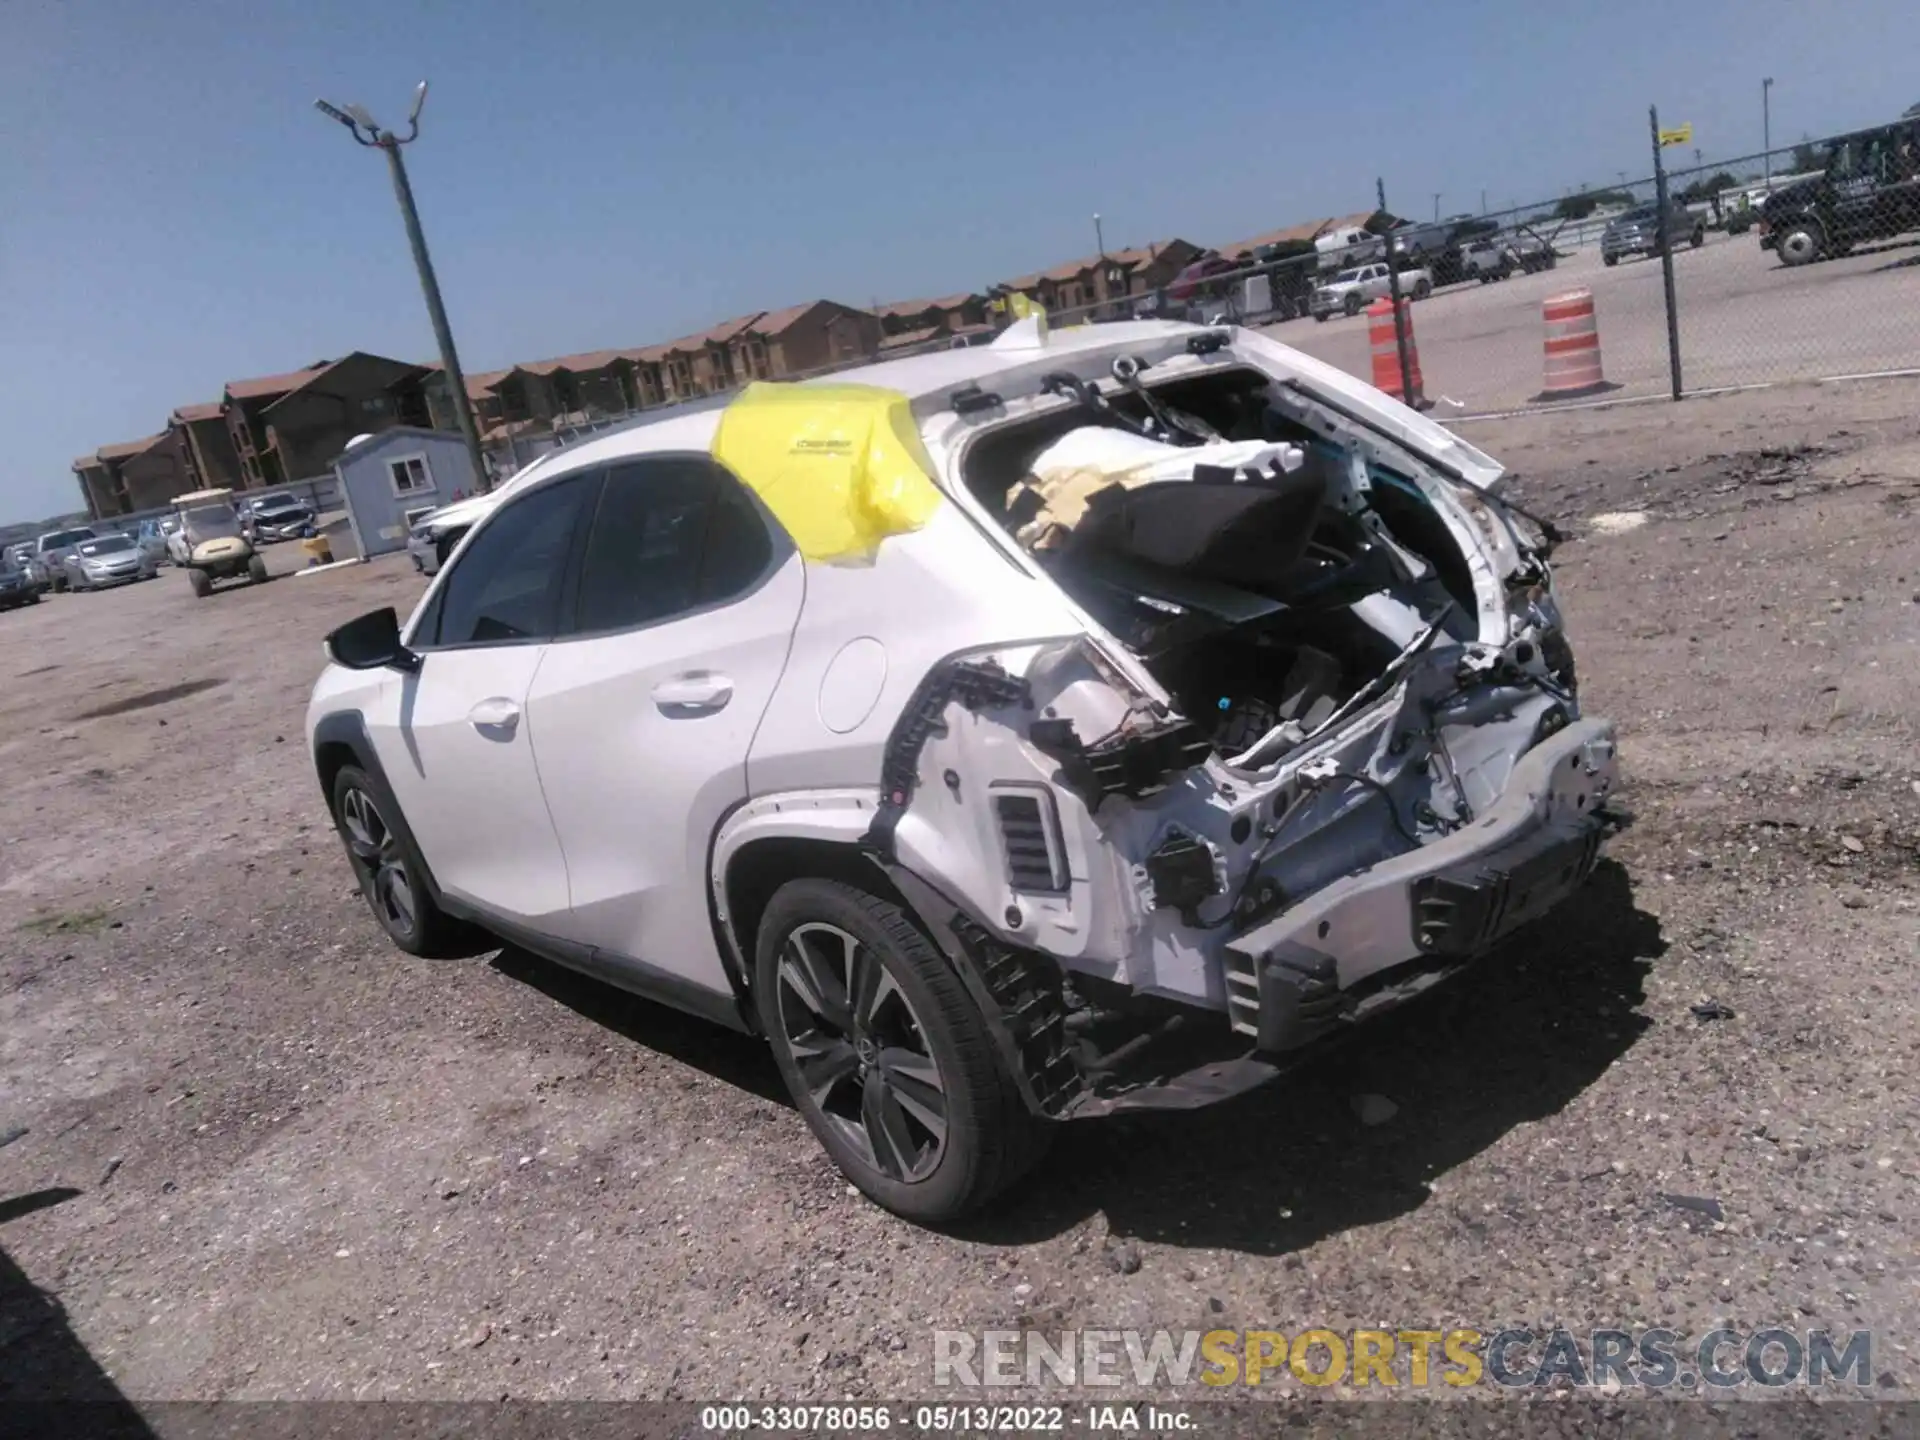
673	534
506	586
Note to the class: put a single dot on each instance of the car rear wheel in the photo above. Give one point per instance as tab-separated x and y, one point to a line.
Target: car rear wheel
1698	238
390	873
1801	243
1351	305
1422	289
198	582
1609	259
885	1054
257	570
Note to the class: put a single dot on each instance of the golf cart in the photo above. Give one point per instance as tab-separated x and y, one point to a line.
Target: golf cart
209	544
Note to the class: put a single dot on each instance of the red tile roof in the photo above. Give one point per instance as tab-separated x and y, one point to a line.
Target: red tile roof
909	308
266	385
1072	269
131	448
189	413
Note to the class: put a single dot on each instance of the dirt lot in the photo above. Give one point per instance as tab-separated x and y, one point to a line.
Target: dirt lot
302	1165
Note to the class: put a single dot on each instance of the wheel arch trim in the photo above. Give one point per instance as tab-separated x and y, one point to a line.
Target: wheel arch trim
840	819
346	730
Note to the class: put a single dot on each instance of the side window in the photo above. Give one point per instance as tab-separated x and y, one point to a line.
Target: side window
505	587
671	535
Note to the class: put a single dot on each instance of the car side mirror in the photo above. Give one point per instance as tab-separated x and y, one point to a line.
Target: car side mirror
371	642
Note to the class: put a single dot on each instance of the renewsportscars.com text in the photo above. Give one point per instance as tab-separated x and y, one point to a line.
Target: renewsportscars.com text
1655	1358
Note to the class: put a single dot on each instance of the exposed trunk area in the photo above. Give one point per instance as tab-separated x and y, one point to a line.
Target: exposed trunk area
1264	572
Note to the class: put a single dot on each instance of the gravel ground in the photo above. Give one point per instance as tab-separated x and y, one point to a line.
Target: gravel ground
269	1157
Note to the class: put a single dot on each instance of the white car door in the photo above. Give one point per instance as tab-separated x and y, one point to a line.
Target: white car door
455	745
642	718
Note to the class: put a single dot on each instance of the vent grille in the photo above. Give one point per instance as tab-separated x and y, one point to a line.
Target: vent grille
1028	837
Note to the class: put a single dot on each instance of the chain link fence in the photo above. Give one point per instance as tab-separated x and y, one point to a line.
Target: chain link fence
1795	264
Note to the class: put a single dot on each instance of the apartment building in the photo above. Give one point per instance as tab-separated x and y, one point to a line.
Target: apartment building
136	475
205	447
1112	281
293	426
909	323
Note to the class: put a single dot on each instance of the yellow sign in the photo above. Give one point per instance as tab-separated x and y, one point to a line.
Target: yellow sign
1683	135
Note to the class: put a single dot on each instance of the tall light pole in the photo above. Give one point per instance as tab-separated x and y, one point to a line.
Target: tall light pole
365	129
1766	131
1436	206
1099	236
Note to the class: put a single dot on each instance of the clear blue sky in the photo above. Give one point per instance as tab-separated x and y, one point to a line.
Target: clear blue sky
174	214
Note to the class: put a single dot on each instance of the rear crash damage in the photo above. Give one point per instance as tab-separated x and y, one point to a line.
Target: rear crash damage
1318	748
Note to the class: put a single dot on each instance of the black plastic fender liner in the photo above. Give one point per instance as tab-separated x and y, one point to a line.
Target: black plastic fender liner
976	684
1017	991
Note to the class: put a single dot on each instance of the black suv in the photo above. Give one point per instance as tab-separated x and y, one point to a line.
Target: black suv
1869	189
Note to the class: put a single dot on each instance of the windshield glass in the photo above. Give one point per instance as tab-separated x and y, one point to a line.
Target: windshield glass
211	522
106	545
59	539
1346	277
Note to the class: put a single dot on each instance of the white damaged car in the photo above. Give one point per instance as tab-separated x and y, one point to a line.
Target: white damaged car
1008	734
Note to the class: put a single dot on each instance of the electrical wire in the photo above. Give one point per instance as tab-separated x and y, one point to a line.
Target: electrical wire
1393	809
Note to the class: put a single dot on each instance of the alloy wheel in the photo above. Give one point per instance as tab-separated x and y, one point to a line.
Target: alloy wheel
1799	246
376	849
861	1051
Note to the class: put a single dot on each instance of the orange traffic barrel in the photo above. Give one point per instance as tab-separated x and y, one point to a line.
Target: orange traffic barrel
1386	352
1573	347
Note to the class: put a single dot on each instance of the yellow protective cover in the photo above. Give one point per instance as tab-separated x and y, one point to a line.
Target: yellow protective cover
840	466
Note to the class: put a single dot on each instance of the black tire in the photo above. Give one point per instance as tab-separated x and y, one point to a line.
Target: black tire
1351	305
1609	259
256	571
391	874
198	582
1698	238
988	1138
1320	319
1422	289
1801	243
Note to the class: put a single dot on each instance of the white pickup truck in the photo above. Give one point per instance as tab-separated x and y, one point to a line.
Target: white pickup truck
1351	291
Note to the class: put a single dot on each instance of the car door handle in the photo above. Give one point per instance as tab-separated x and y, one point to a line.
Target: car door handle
698	692
496	718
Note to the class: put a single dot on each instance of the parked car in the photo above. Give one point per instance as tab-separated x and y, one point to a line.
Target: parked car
151	537
1351	291
278	517
1869	190
1488	261
21	556
1345	248
987	805
51	551
106	560
1199	293
1637	232
17	586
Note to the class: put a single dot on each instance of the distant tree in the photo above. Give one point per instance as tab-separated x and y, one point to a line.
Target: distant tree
1705	189
1575	207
